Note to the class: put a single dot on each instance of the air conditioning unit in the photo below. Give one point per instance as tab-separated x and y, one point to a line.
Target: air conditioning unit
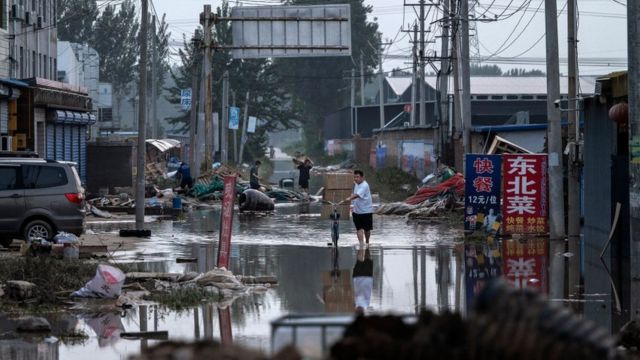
17	12
39	25
6	143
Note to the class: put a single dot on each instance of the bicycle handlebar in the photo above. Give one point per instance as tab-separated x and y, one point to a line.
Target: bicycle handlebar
332	203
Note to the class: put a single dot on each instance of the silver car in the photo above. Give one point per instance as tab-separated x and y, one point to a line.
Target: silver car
38	198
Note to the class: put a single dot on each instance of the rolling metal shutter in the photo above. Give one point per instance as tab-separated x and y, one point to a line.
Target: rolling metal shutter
51	141
59	142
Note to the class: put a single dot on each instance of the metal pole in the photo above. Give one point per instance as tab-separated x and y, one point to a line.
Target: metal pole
225	118
244	128
465	101
353	98
631	287
361	81
554	139
444	82
573	183
195	101
423	90
154	82
381	82
142	93
414	80
208	107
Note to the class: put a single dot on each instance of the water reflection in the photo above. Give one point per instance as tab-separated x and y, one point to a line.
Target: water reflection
363	279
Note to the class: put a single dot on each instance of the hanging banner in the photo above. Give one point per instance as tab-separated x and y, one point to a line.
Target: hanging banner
525	263
251	127
226	220
525	206
185	99
234	118
482	192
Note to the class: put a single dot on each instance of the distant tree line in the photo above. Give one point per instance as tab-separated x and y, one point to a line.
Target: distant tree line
495	70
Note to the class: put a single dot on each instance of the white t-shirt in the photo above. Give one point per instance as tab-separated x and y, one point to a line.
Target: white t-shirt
362	204
362	288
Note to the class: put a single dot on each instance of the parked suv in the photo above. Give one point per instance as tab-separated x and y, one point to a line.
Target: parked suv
38	198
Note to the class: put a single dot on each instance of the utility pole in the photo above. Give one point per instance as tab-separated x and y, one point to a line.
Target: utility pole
361	81
142	116
423	110
414	75
381	82
353	98
463	62
195	101
444	81
245	122
631	269
573	183
206	21
154	75
554	140
225	118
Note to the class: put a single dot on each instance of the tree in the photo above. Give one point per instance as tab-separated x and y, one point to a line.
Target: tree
75	20
189	55
524	72
485	70
162	66
316	81
116	40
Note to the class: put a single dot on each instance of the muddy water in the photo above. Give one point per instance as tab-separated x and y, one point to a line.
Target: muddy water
411	266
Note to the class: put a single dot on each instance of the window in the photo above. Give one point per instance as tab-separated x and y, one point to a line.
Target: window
54	12
512	97
3	13
34	64
44	11
542	97
496	97
482	97
39	176
33	5
8	177
44	66
527	97
21	62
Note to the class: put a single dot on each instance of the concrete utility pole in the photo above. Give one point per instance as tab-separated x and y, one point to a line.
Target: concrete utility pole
206	21
444	81
423	110
463	62
554	140
225	118
381	82
245	122
361	81
573	183
631	287
195	101
353	98
154	83
142	116
414	75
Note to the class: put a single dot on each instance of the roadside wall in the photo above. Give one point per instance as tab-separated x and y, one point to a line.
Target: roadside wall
410	149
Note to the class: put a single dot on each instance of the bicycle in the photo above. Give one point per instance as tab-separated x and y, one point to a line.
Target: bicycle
335	225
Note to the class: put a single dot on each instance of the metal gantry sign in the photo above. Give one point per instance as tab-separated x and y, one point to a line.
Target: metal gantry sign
291	31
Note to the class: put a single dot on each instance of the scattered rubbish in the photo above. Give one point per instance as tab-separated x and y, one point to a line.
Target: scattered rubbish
135	233
36	247
149	335
33	324
186	260
210	349
65	238
254	200
100	213
107	283
20	290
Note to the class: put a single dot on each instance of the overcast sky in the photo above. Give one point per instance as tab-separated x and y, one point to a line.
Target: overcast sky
601	33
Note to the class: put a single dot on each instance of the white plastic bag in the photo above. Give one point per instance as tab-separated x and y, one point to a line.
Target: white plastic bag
106	284
65	238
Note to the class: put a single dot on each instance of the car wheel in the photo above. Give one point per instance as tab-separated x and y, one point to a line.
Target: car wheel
5	242
38	229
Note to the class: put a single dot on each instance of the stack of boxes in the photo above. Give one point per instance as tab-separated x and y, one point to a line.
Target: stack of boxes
337	187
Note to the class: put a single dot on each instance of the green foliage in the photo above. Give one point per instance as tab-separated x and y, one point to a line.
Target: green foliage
391	183
182	75
181	299
485	70
162	47
75	20
115	39
524	72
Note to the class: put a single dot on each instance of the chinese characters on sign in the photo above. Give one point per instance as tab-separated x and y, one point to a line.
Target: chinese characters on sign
525	263
226	220
185	99
482	191
524	209
234	118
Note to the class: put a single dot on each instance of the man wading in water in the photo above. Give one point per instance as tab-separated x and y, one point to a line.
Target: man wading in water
362	207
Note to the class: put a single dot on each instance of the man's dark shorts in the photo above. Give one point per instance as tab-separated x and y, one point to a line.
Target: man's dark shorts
363	221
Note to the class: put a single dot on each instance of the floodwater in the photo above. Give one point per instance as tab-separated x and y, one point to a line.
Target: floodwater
407	266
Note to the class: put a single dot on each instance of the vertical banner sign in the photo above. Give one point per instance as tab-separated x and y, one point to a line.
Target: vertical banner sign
234	118
482	191
226	220
482	262
525	205
185	99
525	263
251	127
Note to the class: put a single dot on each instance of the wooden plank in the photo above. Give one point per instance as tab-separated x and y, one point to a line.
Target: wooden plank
149	335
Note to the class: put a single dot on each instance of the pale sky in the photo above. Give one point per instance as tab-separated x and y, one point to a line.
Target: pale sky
601	33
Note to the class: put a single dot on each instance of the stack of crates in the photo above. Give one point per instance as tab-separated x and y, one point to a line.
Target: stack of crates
337	187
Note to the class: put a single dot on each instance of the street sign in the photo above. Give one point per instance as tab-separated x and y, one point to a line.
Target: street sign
234	118
525	205
251	127
226	221
185	99
291	31
482	191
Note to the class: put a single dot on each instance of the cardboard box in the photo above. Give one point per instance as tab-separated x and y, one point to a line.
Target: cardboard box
343	210
336	196
337	291
339	181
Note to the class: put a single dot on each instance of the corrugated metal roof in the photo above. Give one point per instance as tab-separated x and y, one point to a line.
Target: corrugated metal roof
399	85
164	144
515	85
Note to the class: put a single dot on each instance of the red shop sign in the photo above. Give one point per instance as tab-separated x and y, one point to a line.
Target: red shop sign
525	263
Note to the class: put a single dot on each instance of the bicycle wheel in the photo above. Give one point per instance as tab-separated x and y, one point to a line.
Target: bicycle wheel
335	233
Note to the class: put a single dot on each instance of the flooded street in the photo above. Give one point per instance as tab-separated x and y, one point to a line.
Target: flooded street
413	266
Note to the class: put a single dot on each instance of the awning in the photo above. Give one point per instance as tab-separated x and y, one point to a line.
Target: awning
71	117
164	144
